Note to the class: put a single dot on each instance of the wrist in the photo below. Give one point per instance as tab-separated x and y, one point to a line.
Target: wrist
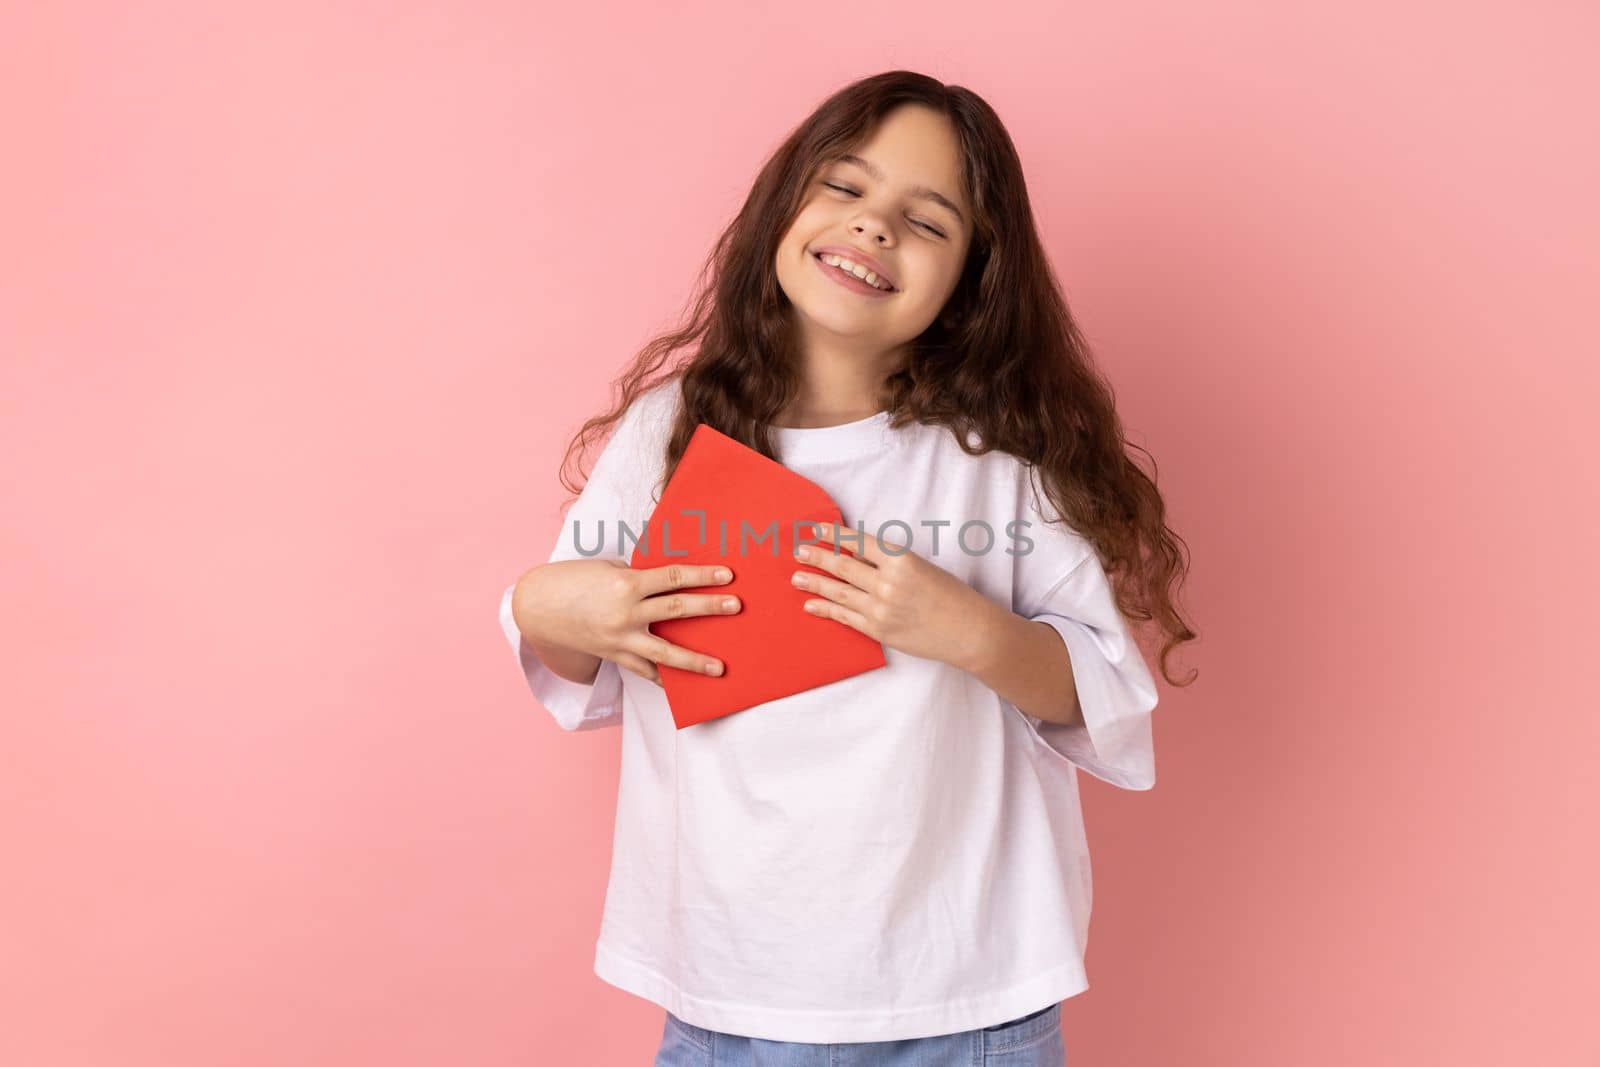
991	633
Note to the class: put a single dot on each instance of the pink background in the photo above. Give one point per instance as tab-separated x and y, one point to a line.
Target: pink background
299	303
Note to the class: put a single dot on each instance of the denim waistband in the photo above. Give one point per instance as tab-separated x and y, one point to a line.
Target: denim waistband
1024	1030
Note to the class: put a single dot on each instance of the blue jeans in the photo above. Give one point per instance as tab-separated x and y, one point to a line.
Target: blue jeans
1033	1040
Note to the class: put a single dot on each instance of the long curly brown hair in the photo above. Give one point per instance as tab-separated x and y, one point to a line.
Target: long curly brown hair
1004	359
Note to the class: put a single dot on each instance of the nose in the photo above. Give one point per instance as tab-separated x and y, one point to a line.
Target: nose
874	229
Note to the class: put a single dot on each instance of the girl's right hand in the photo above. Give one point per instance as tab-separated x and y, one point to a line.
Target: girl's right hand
605	607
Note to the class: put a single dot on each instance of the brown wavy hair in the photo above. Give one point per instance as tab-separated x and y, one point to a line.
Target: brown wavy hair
1004	359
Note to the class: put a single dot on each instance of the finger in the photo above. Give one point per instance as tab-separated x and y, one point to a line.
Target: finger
827	609
640	666
672	605
853	570
864	545
836	591
653	580
664	652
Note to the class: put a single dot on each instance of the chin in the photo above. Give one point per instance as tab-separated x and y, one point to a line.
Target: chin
840	325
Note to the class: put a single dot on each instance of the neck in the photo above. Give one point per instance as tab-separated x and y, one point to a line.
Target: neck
839	382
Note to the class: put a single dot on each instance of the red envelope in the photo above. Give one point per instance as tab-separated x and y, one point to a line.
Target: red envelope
772	647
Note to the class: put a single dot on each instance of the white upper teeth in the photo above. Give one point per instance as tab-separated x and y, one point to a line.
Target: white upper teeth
854	268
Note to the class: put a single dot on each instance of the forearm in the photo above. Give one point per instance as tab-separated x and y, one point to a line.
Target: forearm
568	663
1026	663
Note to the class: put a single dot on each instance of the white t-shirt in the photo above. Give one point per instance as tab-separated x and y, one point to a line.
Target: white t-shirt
895	855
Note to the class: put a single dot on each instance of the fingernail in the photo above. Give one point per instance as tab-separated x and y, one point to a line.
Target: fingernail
723	574
802	552
713	668
729	603
796	579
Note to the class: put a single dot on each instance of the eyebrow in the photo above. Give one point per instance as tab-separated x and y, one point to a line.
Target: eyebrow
921	192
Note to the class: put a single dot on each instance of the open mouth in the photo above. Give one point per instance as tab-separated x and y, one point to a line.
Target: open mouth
850	280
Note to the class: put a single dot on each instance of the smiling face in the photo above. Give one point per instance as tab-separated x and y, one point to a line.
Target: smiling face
897	205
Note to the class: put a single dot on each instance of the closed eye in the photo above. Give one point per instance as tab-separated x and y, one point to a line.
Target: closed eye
914	222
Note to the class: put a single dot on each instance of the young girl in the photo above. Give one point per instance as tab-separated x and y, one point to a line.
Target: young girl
891	868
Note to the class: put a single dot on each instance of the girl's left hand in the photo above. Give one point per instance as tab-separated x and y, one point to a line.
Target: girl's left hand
895	597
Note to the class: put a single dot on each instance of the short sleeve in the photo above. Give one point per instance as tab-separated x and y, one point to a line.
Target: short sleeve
1062	583
573	705
618	489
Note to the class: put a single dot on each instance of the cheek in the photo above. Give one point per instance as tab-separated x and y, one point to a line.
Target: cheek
792	247
935	279
813	224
